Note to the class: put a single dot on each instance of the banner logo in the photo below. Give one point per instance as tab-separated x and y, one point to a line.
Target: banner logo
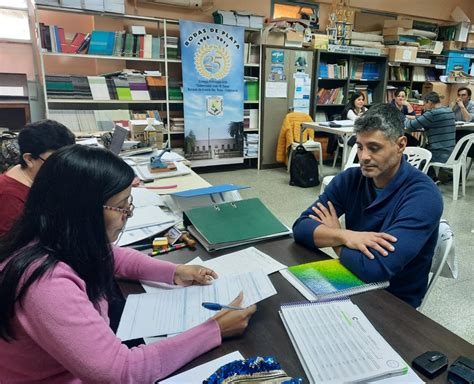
212	61
215	105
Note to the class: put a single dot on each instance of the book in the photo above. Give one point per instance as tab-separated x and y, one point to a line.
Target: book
230	224
336	343
327	279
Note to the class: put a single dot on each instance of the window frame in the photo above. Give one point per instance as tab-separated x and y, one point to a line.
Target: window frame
24	10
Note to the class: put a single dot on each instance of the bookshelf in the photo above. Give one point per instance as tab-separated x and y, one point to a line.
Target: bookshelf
82	111
338	75
410	76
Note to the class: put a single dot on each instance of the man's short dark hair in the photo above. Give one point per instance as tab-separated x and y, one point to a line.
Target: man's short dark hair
381	117
468	90
42	136
433	97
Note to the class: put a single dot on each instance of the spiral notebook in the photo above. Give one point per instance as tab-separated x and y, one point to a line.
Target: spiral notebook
327	279
336	343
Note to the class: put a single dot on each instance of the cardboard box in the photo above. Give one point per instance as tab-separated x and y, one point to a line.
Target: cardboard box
452	45
398	31
442	89
294	39
268	37
404	54
420	60
470	41
319	41
407	23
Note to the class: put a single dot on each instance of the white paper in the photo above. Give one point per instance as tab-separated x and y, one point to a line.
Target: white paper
246	260
198	374
275	89
146	217
177	310
143	197
132	236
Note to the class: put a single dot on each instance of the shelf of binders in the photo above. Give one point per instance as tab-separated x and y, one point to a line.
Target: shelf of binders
89	101
104	57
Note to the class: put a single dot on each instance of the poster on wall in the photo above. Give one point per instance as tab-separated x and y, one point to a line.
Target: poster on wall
213	92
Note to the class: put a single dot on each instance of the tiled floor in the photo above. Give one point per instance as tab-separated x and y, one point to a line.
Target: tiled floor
451	302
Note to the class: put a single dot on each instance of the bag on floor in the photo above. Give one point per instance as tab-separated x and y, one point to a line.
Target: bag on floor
304	171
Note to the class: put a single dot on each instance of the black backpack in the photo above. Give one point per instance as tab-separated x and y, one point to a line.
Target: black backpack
304	171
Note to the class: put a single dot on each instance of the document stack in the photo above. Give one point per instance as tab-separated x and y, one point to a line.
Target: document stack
251	145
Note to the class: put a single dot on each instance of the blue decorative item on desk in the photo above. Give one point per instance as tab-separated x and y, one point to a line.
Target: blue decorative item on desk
156	165
256	369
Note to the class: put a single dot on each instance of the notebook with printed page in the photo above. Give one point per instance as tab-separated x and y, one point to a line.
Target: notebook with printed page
327	279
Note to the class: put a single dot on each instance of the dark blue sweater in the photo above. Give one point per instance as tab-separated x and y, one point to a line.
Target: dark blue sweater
409	208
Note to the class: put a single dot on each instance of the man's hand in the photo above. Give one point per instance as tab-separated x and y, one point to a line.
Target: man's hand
362	241
326	216
460	103
193	274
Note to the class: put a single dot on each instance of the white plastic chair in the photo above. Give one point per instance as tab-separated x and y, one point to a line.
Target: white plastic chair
457	162
444	261
349	164
339	145
310	146
418	157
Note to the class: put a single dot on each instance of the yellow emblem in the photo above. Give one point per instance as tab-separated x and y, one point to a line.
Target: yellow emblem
212	61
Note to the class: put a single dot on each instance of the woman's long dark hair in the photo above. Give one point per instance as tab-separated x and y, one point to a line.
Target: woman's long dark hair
350	105
63	221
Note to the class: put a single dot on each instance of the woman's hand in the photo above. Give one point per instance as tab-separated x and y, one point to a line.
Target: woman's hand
186	275
233	322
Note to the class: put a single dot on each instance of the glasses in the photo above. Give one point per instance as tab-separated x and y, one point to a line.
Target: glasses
124	211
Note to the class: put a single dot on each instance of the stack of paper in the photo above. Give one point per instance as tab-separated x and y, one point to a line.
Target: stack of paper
179	309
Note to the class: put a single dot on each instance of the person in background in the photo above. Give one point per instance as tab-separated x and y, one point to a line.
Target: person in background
57	266
392	211
463	107
439	126
401	103
37	141
355	107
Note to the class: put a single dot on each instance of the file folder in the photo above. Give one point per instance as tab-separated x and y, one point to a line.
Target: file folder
231	224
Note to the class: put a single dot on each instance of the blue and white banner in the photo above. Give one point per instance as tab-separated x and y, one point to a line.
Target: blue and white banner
213	90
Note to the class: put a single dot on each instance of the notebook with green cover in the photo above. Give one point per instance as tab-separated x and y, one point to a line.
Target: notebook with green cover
327	279
230	224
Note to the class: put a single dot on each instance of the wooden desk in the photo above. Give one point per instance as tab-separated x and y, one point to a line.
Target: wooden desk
408	331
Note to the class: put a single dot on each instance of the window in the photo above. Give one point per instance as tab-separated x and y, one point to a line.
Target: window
296	10
14	25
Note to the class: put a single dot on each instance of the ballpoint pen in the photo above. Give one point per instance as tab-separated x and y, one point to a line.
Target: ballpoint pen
218	307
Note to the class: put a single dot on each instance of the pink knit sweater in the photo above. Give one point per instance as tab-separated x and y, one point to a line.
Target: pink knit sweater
62	338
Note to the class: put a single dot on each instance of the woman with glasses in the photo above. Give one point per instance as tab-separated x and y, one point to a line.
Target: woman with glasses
36	142
57	267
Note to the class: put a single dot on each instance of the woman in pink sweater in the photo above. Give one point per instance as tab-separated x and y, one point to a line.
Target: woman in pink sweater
56	277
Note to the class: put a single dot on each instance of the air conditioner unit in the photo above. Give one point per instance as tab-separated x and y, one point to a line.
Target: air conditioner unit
176	3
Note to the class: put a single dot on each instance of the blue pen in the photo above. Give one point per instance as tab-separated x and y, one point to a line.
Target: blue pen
218	307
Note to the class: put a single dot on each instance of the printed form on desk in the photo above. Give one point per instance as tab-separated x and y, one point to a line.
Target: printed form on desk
154	314
247	260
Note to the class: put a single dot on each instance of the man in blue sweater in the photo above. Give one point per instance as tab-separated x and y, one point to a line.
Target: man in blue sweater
392	211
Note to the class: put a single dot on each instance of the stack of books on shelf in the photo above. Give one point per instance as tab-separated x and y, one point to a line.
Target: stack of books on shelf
251	145
364	70
424	74
177	124
175	89
361	88
105	43
401	73
122	85
172	47
89	121
330	96
333	71
408	32
68	87
390	95
250	119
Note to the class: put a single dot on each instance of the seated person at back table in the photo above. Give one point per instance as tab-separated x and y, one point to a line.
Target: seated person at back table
36	141
392	211
438	123
355	107
57	266
463	107
406	112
